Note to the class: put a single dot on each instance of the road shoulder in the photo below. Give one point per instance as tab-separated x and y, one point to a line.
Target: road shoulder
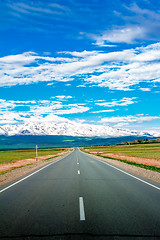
23	170
151	175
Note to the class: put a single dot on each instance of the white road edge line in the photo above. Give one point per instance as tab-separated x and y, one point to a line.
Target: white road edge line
32	174
130	175
81	209
125	172
78	171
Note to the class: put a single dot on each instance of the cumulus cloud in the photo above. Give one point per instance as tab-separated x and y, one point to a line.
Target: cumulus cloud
126	34
48	118
12	112
123	102
139	24
119	70
57	108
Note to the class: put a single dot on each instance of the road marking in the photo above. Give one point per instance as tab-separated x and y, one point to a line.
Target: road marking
78	172
123	171
76	157
81	209
130	175
77	163
32	174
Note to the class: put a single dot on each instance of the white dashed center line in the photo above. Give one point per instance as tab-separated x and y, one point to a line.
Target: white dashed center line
78	171
81	209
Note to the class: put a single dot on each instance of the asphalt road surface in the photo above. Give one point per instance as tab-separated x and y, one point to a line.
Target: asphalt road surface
80	197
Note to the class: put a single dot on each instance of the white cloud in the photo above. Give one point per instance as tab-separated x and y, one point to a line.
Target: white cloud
101	111
40	8
81	54
145	89
9	117
12	112
128	119
57	108
104	45
11	104
63	97
139	24
80	120
123	102
126	34
48	118
81	86
77	109
116	70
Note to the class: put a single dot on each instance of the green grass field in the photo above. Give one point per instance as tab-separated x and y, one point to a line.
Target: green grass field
13	155
151	150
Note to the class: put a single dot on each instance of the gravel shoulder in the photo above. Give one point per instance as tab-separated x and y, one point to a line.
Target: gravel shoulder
20	171
151	175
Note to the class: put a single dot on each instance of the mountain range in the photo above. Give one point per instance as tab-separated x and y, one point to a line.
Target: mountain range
70	128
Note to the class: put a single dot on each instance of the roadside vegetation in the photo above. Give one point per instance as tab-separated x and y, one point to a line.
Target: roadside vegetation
142	141
141	155
139	150
14	155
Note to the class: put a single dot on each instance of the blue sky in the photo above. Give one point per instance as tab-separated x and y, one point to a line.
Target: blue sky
95	62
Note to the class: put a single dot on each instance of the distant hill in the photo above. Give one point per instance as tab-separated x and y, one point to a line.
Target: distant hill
50	141
140	141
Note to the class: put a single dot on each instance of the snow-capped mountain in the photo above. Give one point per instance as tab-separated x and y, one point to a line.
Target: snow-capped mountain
69	128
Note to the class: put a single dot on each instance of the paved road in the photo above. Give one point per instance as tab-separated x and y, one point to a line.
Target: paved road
80	197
